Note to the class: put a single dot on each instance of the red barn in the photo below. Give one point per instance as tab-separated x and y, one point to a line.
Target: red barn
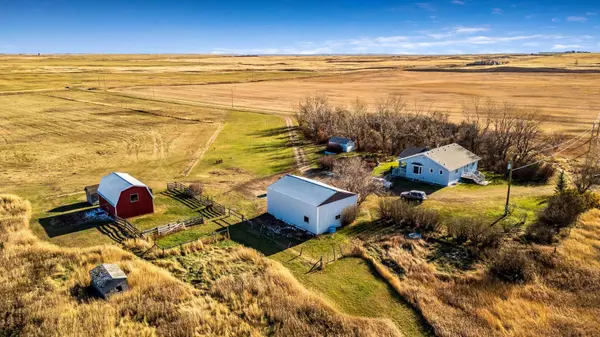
122	195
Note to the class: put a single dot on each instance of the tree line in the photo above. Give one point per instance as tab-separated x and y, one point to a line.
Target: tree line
497	132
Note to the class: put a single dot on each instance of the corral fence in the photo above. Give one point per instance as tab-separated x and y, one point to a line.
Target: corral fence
127	227
173	227
212	237
207	201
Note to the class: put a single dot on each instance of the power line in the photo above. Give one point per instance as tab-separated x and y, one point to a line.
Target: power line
564	149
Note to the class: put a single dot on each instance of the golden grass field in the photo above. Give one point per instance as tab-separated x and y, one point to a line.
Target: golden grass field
567	100
153	116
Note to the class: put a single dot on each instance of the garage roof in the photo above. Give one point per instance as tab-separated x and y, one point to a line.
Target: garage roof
113	184
310	191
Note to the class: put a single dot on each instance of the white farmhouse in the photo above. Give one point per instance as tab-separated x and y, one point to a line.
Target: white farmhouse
308	204
443	166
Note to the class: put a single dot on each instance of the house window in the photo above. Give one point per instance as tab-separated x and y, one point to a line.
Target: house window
456	171
430	170
417	169
119	288
337	217
306	219
441	172
134	197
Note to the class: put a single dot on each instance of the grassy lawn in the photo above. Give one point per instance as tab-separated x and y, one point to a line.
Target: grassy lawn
252	143
383	168
351	285
166	210
188	234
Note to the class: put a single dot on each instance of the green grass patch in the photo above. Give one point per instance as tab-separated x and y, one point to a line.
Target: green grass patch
384	168
253	143
166	210
351	285
188	235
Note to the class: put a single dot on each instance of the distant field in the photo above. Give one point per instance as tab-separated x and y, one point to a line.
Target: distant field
568	100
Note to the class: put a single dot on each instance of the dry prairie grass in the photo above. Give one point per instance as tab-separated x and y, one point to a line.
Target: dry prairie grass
560	300
566	100
43	288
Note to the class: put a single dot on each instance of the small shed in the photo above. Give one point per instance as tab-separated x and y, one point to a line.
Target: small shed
341	144
122	195
108	279
91	194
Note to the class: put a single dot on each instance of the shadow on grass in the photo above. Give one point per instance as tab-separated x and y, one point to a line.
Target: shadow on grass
403	185
283	130
267	234
184	199
69	223
71	207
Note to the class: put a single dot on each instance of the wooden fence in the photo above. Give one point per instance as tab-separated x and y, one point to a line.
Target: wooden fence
127	227
212	237
173	226
207	201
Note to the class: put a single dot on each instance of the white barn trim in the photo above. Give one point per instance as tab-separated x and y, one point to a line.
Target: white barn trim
308	204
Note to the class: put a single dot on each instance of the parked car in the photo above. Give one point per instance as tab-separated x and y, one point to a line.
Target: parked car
414	195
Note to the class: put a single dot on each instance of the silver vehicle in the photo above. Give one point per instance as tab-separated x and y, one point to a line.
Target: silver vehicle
414	195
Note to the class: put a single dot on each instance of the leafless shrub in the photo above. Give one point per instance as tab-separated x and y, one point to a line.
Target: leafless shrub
354	175
327	162
513	266
407	217
349	214
195	189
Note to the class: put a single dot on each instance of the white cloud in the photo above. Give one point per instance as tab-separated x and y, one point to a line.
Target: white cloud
469	30
530	16
555	20
458	2
576	19
497	11
591	13
567	46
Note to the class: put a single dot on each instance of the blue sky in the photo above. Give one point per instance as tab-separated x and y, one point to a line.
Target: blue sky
298	27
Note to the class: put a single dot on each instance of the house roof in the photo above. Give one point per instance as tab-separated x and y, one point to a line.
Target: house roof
113	184
340	140
104	273
451	156
92	188
310	191
410	151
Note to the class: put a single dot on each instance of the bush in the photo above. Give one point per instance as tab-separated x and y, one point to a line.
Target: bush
561	212
349	215
535	174
195	189
407	216
513	265
476	232
327	162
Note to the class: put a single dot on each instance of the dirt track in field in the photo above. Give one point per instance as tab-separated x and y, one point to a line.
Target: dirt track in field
569	100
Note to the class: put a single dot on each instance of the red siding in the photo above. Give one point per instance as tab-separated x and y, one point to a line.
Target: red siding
128	209
105	205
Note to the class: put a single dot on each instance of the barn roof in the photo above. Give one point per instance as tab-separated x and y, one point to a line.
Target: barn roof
113	184
340	140
451	156
310	191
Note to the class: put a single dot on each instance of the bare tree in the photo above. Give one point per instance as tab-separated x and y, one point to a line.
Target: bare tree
587	174
354	175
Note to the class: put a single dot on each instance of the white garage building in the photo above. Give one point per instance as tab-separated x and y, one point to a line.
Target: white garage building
308	204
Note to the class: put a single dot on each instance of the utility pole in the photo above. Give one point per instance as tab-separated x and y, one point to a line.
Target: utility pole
510	170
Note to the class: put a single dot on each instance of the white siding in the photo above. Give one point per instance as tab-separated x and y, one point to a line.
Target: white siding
328	212
427	175
291	210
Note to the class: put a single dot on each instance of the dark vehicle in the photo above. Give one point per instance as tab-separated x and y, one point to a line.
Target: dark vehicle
413	195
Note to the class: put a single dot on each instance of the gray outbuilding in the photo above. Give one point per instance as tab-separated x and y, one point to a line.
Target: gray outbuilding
108	279
91	194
